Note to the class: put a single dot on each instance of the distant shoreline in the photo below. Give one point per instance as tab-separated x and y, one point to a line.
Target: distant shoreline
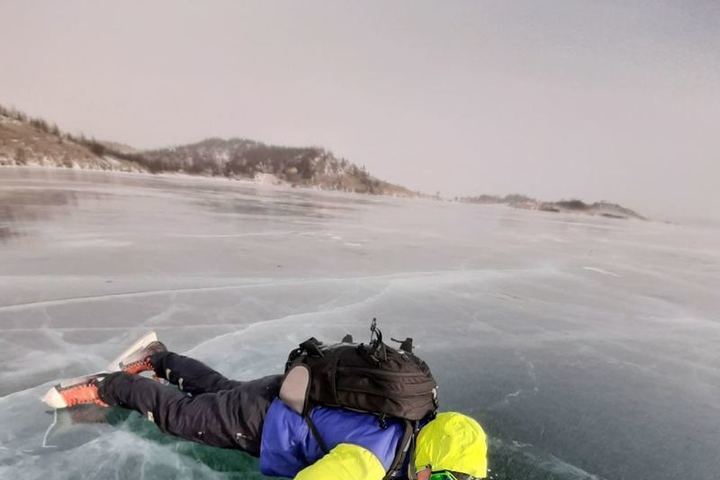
602	208
219	180
27	142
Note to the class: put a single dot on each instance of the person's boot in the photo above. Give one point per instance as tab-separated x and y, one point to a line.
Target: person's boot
139	360
77	391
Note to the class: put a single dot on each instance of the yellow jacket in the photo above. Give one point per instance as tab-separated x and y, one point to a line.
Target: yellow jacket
344	462
451	441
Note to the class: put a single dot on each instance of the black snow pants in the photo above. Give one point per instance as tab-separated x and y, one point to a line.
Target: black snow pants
206	407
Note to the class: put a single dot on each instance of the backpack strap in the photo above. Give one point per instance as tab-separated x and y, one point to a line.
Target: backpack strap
406	446
411	470
316	434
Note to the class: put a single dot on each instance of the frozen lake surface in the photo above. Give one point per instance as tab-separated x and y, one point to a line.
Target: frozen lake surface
587	347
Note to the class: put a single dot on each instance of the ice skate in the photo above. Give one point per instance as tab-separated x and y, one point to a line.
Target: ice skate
76	391
136	359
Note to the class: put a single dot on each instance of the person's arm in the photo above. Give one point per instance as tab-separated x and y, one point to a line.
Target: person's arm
344	462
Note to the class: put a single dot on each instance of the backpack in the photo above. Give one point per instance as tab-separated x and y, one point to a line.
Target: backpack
373	378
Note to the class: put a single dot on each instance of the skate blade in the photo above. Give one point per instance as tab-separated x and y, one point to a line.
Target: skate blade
114	366
53	399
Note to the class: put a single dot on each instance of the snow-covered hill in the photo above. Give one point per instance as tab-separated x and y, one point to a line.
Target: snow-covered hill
236	157
29	141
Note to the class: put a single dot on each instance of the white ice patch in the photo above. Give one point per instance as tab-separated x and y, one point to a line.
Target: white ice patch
514	394
95	243
600	270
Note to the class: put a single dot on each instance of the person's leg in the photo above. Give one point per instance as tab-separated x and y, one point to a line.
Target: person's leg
190	375
229	418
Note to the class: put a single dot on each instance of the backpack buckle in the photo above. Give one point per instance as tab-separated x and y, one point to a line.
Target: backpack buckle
312	347
405	345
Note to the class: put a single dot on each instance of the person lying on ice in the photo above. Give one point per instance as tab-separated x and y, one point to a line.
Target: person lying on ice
322	444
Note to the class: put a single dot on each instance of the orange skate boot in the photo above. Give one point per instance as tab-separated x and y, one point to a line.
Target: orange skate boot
136	359
76	391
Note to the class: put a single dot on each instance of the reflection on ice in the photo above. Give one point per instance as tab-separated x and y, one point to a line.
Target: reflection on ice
21	207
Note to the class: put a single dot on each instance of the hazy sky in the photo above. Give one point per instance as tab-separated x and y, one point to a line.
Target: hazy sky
616	100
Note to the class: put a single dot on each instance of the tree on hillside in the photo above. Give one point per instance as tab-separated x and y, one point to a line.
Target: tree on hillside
20	156
96	147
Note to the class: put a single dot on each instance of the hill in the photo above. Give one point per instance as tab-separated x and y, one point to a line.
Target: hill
33	141
242	158
30	141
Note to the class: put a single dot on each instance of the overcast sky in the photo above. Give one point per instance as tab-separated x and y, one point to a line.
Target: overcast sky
615	100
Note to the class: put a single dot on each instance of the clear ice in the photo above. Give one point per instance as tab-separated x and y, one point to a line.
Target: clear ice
586	346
